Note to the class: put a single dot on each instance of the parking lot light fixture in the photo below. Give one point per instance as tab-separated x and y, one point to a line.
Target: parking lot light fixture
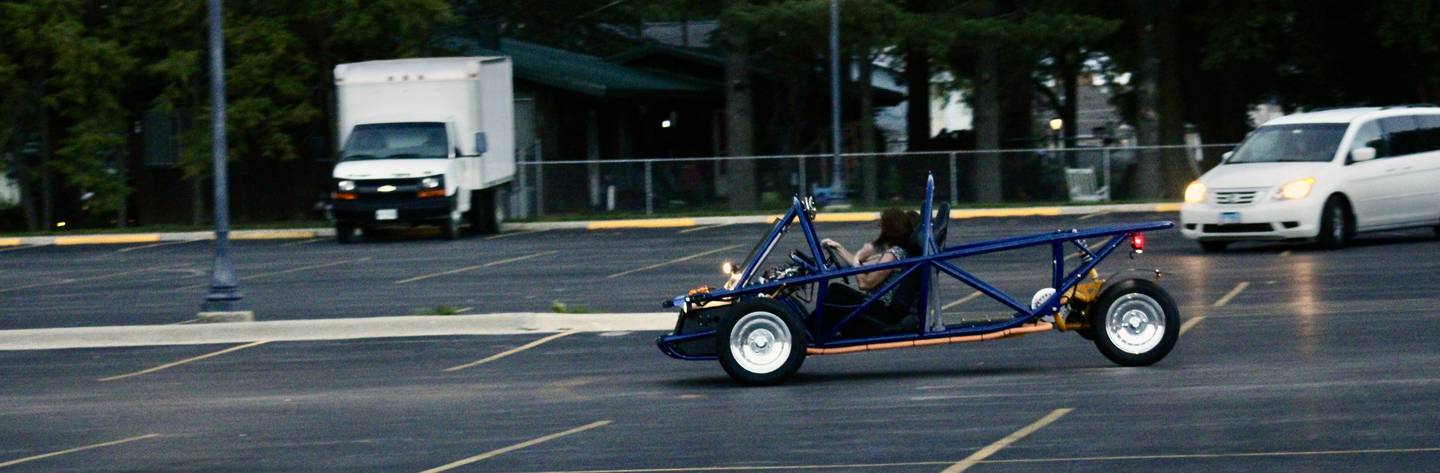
223	302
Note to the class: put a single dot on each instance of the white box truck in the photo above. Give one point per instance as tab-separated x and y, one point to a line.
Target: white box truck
423	141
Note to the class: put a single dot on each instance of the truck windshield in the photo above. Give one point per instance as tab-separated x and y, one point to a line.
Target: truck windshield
396	141
1286	143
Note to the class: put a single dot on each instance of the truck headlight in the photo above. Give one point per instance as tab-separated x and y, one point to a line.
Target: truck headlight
1195	193
1296	190
429	183
345	186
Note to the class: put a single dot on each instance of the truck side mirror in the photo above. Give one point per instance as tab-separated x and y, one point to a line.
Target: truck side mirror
1227	155
1362	154
482	145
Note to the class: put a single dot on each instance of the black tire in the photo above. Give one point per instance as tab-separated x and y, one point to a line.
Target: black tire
1213	246
1337	224
345	233
487	211
756	325
1141	298
450	228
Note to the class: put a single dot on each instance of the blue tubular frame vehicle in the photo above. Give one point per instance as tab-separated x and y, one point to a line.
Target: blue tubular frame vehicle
763	324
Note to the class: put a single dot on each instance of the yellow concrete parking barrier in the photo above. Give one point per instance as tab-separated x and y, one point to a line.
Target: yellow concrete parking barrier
272	235
108	239
641	223
9	242
1018	212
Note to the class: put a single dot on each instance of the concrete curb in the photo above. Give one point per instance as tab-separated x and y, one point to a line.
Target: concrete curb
303	233
330	329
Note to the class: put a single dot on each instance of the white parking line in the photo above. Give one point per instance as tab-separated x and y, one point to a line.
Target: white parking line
696	229
501	451
77	449
509	352
154	245
1189	324
286	271
1231	295
984	453
963	300
1093	215
472	268
507	235
184	361
87	278
303	242
1285	253
673	261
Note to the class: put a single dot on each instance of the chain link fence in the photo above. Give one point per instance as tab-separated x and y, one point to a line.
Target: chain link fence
704	184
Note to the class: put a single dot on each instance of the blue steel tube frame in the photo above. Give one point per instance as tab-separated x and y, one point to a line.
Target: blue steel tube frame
932	260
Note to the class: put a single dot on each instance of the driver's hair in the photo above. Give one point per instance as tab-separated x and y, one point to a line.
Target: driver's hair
896	229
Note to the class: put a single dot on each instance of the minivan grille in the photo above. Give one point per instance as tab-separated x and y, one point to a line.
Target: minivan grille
1235	197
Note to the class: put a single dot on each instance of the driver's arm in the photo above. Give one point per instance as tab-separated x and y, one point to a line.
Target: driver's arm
870	280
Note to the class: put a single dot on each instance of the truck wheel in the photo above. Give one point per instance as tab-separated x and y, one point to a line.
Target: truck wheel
1336	227
1135	323
345	233
487	211
450	227
1213	246
760	342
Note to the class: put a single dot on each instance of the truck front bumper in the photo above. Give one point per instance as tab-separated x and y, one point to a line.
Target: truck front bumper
418	210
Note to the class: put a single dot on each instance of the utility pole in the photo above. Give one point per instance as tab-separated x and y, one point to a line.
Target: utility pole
837	179
224	302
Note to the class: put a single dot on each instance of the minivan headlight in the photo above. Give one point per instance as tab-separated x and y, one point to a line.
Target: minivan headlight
345	186
1195	193
429	183
1296	190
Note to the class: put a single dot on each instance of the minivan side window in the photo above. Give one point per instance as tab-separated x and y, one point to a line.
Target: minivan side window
1369	135
1431	126
1405	135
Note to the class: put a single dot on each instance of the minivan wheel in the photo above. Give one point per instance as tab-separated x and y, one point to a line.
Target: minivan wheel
450	227
345	233
1336	226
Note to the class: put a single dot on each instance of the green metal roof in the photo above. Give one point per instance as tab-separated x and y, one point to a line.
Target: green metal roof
589	75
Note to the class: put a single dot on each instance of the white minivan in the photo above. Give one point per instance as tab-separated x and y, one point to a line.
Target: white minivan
1322	175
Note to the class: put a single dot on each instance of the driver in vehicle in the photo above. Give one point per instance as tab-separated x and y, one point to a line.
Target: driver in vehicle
896	241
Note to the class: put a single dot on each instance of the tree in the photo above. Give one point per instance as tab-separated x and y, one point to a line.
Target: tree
739	104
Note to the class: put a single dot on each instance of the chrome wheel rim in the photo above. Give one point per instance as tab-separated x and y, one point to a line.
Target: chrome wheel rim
760	342
1135	323
1337	223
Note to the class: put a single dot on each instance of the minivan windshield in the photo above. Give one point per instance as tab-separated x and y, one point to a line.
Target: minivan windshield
396	141
1316	142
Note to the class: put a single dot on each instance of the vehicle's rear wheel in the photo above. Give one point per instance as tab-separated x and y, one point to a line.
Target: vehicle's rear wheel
1135	323
1213	246
345	233
487	210
760	342
1336	224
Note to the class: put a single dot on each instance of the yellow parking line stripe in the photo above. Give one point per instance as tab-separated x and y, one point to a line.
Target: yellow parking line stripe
853	466
472	268
153	245
1231	295
1005	442
509	352
962	300
528	443
507	235
184	361
673	261
107	239
707	227
641	223
1189	324
77	449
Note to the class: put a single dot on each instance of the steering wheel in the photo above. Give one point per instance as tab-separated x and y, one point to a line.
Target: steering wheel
833	260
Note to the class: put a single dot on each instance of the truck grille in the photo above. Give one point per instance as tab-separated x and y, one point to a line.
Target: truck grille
1235	197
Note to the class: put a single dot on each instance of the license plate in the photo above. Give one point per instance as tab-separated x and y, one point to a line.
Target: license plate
386	214
1229	217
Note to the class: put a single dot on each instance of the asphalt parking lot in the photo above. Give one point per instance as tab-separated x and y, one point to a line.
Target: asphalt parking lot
1292	359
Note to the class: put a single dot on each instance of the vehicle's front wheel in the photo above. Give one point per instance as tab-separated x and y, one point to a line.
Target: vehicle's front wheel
345	233
487	210
1135	323
450	228
760	342
1336	227
1213	246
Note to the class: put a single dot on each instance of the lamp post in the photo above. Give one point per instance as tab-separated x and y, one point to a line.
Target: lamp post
224	302
1057	124
837	179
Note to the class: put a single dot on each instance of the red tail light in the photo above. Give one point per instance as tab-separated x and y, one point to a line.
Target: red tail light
1137	242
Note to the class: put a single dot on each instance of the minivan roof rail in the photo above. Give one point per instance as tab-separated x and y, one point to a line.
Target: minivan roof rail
1410	105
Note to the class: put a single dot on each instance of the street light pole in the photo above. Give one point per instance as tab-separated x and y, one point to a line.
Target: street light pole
223	302
837	180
